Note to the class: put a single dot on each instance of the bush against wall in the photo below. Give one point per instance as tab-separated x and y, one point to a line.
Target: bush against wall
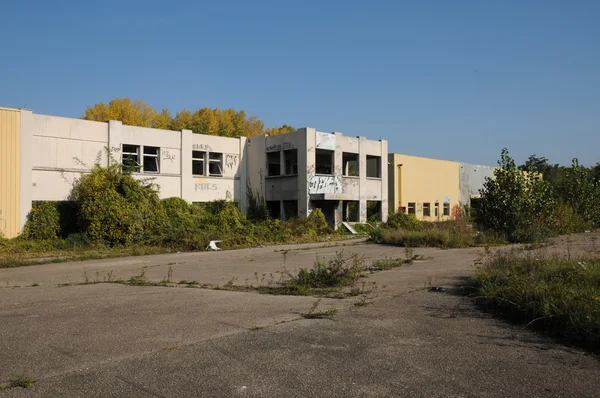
43	222
116	209
516	204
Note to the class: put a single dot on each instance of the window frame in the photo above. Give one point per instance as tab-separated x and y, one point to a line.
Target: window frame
147	156
437	209
320	151
446	209
414	208
346	162
379	165
294	165
427	205
127	155
270	156
196	158
218	161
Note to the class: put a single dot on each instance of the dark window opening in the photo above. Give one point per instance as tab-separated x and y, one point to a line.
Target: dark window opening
411	208
324	161
290	158
290	209
446	209
426	209
274	209
373	211
273	164
215	162
373	166
351	211
151	159
350	164
198	163
130	158
437	209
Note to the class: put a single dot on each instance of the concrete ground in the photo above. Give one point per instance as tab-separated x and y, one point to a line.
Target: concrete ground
103	340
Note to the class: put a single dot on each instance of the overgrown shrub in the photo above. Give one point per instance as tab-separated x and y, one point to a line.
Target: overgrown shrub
117	209
404	221
43	222
556	295
316	224
338	271
516	204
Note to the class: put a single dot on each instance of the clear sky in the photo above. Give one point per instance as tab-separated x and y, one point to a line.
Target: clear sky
455	80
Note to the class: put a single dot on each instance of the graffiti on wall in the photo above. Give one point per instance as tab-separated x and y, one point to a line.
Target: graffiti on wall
166	155
326	141
231	161
202	147
325	184
201	184
278	147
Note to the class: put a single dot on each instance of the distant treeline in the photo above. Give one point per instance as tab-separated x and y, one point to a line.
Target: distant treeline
222	122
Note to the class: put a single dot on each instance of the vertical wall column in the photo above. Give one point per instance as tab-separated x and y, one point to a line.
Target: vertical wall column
26	166
384	181
362	172
307	142
187	183
115	140
243	176
338	215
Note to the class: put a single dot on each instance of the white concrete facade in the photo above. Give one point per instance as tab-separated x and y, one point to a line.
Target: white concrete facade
308	169
294	172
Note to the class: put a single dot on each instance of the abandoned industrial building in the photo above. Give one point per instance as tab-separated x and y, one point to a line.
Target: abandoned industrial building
42	156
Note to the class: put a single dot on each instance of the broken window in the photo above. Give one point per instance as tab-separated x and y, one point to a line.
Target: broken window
411	208
350	164
215	164
290	159
373	166
151	159
130	158
198	159
446	209
426	209
274	208
290	209
273	164
324	161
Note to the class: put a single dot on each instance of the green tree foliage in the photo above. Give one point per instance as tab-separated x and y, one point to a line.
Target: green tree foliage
580	191
223	122
515	203
117	209
43	222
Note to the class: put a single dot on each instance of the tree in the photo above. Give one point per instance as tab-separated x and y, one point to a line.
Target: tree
581	192
163	120
182	120
134	113
517	204
280	130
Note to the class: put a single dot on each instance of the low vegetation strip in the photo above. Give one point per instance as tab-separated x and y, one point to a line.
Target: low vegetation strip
559	296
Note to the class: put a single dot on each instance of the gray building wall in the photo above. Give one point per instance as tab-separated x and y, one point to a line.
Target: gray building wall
471	180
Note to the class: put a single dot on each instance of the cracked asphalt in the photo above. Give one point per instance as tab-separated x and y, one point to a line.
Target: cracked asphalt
112	340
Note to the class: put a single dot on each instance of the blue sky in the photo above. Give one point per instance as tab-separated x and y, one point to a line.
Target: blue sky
455	80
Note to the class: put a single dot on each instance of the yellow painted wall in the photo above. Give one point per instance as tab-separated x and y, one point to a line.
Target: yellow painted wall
10	150
423	180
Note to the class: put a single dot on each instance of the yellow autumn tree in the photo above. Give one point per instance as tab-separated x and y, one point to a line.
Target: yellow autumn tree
134	113
280	130
211	121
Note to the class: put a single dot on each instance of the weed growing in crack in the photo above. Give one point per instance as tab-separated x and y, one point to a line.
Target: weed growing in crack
314	314
20	381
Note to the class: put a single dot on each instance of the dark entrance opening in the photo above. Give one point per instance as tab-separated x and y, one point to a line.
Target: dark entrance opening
351	211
